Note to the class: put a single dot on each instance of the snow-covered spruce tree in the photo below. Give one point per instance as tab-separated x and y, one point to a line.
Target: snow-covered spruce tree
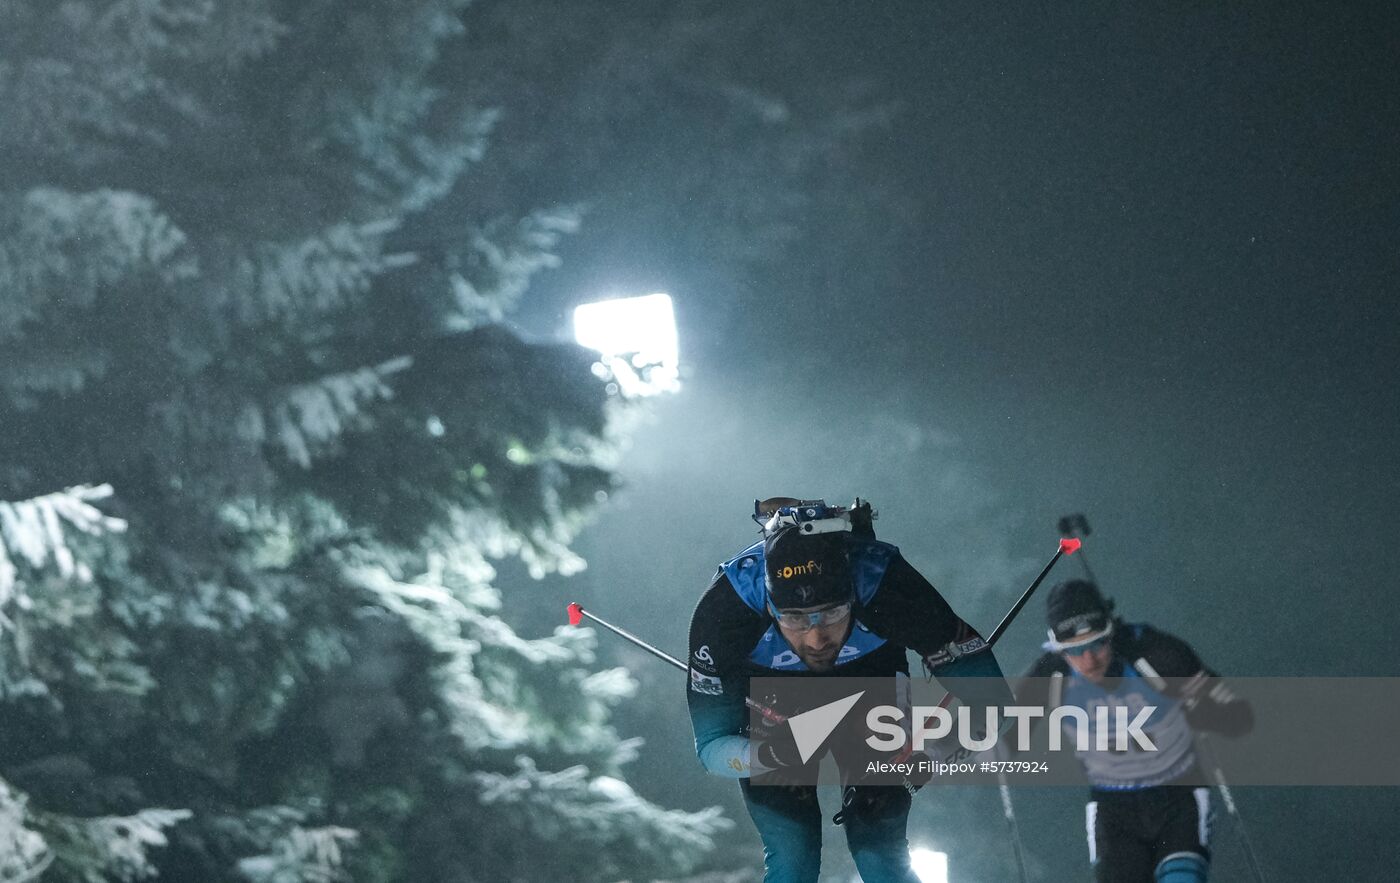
260	441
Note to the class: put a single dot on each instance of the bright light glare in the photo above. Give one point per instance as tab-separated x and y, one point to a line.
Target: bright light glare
637	340
929	866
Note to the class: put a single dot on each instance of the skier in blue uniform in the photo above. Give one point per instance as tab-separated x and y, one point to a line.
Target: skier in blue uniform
1148	816
820	596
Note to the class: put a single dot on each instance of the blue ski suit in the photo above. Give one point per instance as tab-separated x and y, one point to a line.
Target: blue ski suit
734	638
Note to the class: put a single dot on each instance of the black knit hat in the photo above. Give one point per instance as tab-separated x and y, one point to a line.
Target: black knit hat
1076	611
807	570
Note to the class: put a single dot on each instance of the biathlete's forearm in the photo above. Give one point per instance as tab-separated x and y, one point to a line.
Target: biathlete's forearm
726	756
718	722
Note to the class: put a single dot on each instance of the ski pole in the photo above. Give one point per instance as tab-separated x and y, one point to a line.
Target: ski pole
1010	814
1230	807
577	615
1068	546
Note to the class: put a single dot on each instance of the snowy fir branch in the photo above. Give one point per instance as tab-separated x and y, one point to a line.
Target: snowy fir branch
59	250
501	257
307	279
310	417
106	848
32	534
24	854
570	806
302	855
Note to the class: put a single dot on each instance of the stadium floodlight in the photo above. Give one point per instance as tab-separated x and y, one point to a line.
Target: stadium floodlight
636	340
929	866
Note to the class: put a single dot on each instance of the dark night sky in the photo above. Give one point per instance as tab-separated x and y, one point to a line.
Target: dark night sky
1139	263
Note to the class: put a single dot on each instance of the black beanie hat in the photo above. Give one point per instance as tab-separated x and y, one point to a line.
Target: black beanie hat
807	570
1075	607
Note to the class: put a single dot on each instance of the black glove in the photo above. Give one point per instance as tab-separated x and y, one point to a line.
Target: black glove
871	801
778	750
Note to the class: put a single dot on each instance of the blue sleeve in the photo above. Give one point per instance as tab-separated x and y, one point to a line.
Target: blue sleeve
722	631
722	750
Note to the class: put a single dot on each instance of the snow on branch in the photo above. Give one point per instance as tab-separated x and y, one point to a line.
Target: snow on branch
304	855
572	805
501	259
307	278
94	850
33	532
62	249
311	416
24	856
